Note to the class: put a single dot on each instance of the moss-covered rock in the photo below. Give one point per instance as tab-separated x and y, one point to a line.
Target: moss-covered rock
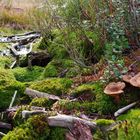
41	102
36	128
27	75
8	85
57	86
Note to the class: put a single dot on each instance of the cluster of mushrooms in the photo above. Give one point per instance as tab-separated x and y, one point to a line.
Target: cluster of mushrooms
114	89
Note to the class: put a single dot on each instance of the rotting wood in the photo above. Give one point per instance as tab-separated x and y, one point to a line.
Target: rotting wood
60	120
35	93
79	131
5	125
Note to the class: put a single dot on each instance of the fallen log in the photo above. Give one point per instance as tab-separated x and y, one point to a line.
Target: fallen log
5	125
60	120
35	93
122	110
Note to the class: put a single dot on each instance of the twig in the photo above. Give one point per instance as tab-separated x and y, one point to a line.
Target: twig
13	99
122	110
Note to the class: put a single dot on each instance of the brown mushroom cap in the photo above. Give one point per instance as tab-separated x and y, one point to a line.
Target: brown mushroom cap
127	77
114	88
135	81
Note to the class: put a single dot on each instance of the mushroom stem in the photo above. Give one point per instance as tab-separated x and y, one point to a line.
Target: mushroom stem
117	98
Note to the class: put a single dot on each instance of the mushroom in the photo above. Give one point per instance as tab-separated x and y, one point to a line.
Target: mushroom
135	81
127	77
115	89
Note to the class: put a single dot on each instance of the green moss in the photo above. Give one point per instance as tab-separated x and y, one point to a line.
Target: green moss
50	71
83	89
4	61
104	122
41	102
67	106
57	134
56	66
129	128
8	85
17	119
57	86
133	114
57	51
103	103
36	128
27	75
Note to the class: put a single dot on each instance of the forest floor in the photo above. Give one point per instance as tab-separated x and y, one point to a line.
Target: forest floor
54	98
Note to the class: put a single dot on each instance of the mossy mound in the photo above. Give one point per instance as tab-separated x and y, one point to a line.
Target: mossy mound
8	85
129	128
27	75
35	128
5	61
57	86
56	67
69	107
41	102
84	92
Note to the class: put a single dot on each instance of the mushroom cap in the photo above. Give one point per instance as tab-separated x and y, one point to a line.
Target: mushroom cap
135	81
114	88
127	78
